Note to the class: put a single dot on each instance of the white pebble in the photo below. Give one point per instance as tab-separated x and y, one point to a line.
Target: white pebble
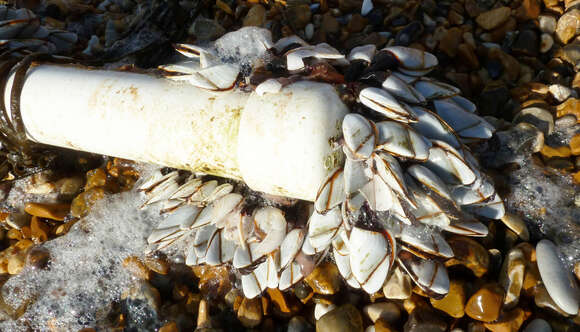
546	43
367	6
560	92
559	282
547	23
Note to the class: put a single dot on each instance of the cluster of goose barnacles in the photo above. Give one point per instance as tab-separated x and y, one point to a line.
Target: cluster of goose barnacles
407	177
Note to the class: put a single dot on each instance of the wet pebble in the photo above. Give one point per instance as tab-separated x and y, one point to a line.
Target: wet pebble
511	277
486	303
453	303
51	211
559	283
517	225
324	279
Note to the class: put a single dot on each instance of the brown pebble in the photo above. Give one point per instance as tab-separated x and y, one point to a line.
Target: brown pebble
453	303
528	10
345	318
450	41
493	18
49	211
256	16
486	303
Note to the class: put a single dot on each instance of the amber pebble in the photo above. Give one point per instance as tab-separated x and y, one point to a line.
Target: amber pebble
454	302
214	281
14	234
96	178
485	304
64	228
576	177
325	279
570	106
265	305
136	267
575	145
87	329
203	318
413	302
49	211
81	204
561	151
157	264
169	327
23	245
470	254
282	305
26	233
250	312
510	321
38	229
577	270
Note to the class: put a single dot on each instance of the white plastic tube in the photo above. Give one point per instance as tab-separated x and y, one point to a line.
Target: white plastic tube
278	143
